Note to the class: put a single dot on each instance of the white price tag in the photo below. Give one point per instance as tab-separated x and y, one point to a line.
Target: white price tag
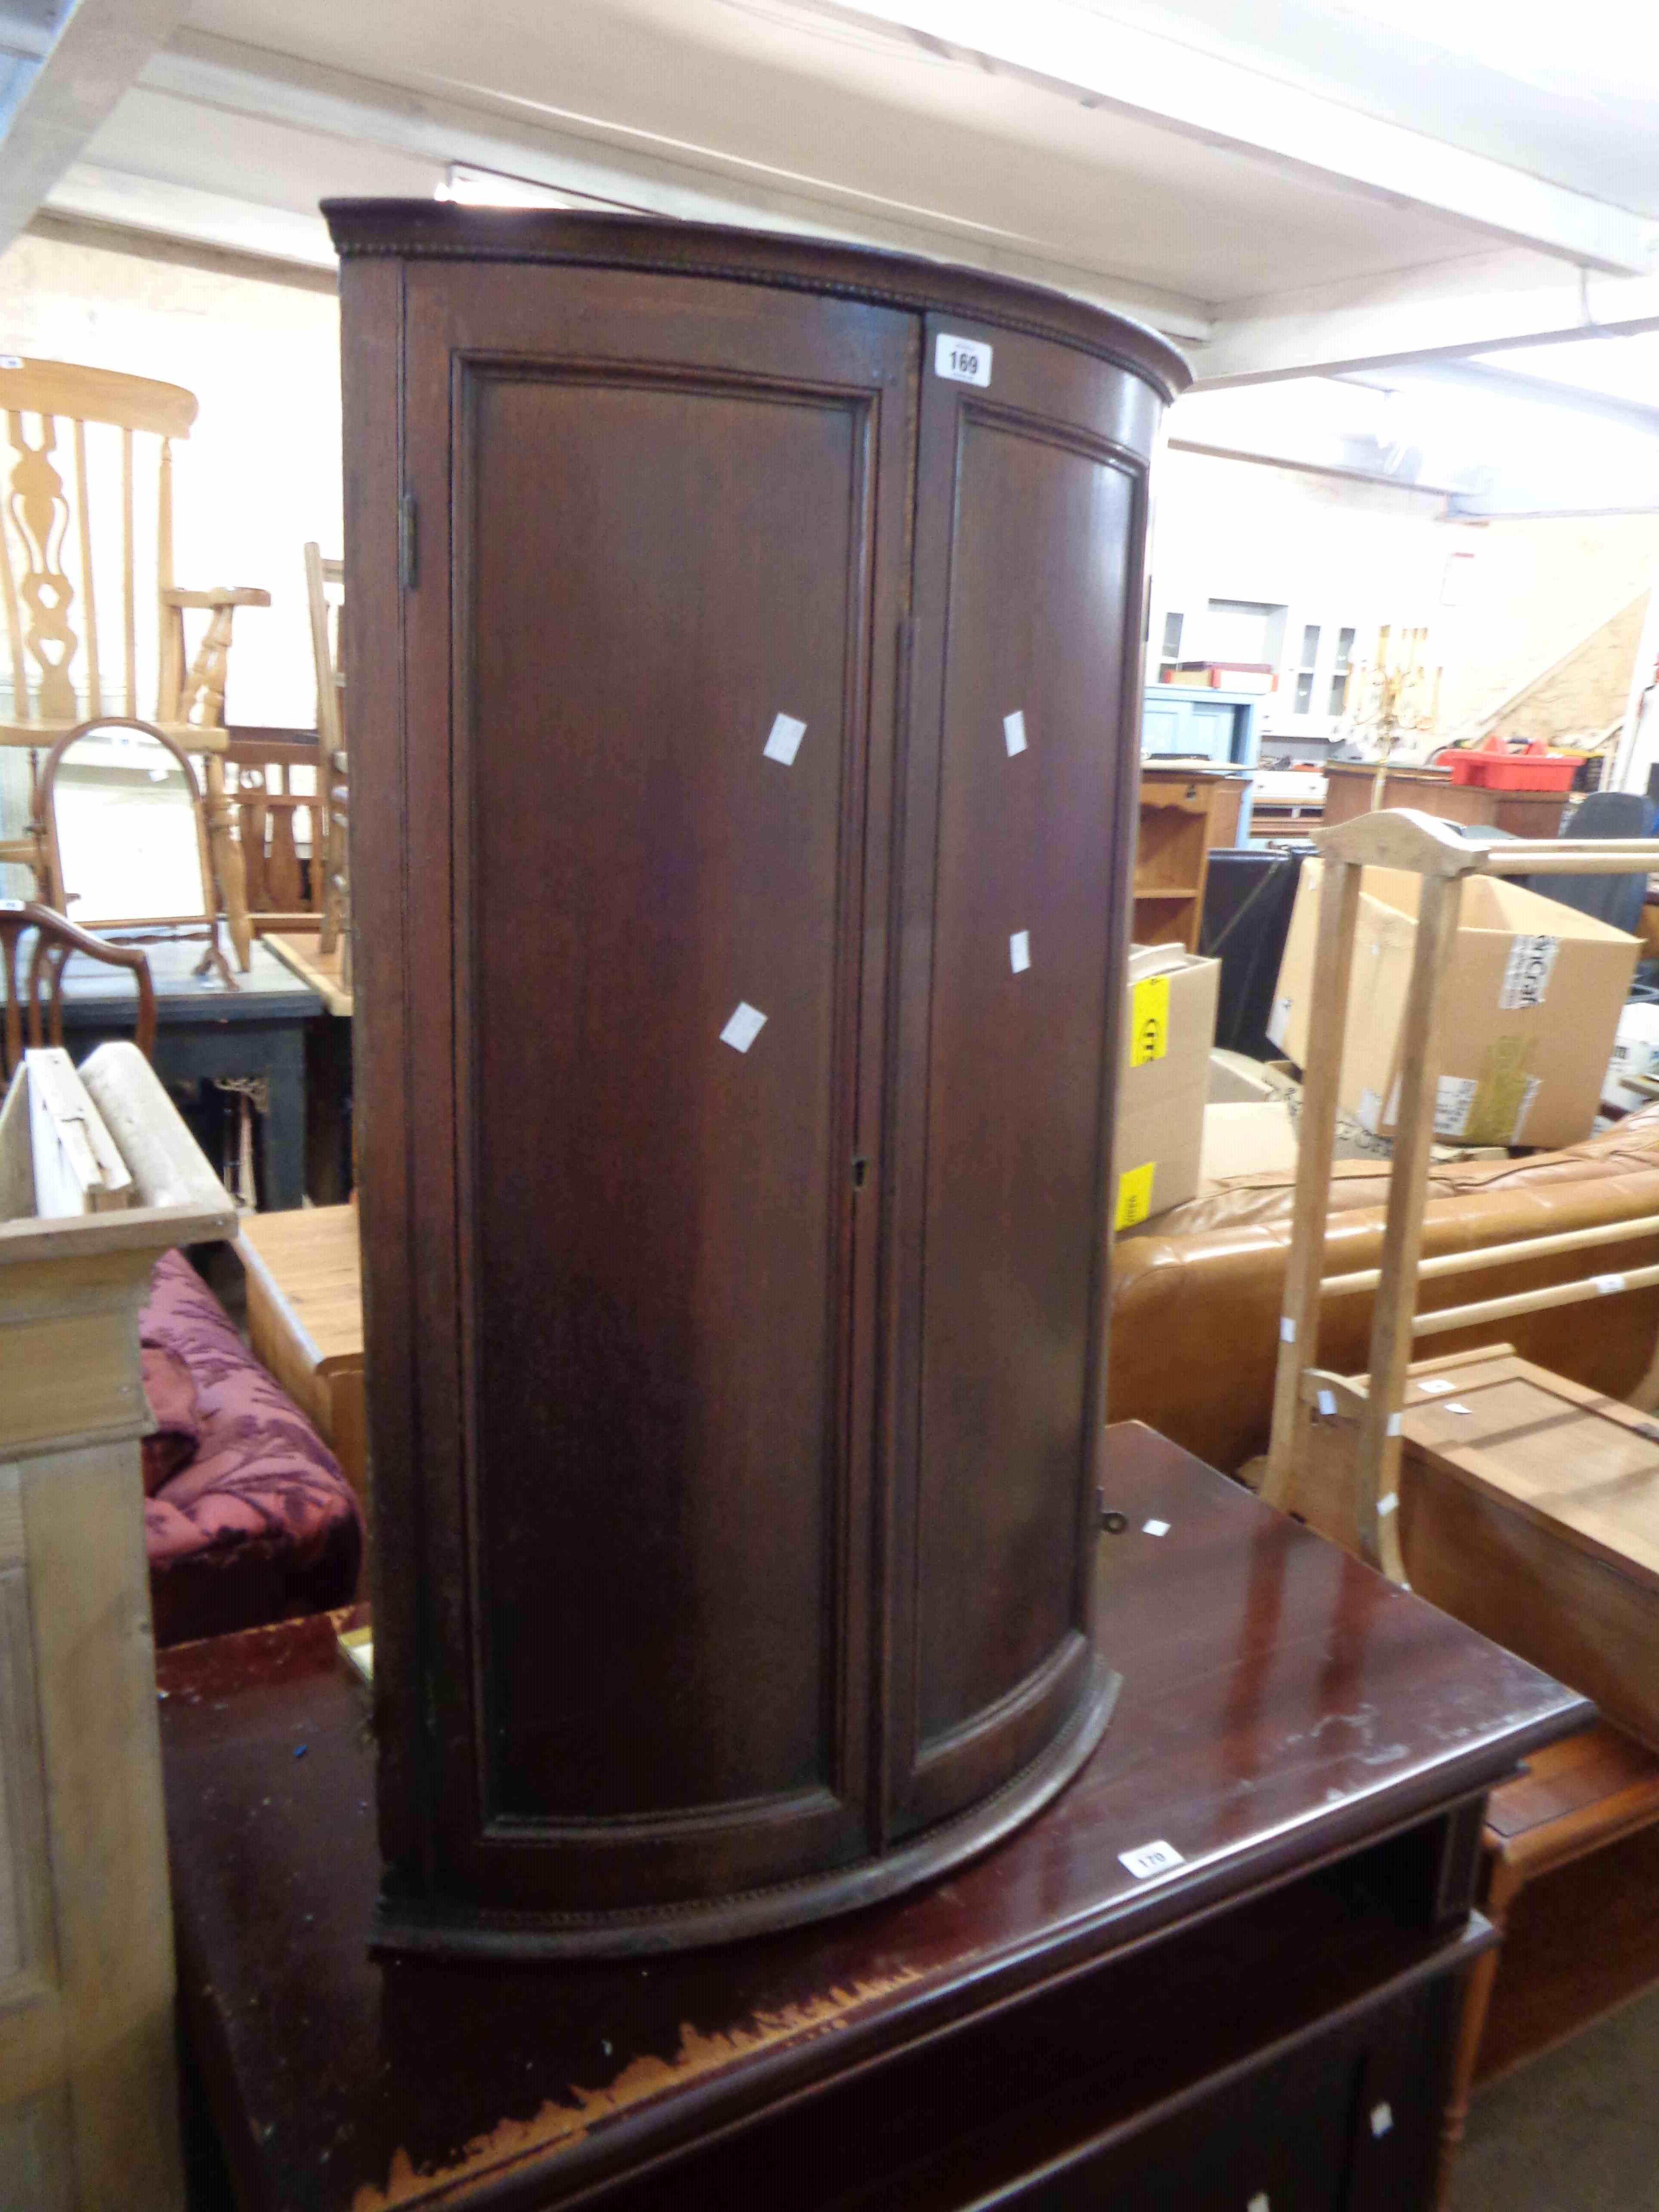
1019	951
1151	1858
1437	1385
745	1025
1013	732
784	741
962	361
1154	1528
1606	1284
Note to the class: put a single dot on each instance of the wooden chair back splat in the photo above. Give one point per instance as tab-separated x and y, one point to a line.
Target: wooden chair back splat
33	1002
74	654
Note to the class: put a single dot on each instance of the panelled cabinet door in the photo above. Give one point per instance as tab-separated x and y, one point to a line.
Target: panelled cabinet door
1021	773
674	617
742	701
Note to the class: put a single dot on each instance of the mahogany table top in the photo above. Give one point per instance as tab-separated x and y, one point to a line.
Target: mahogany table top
1281	1705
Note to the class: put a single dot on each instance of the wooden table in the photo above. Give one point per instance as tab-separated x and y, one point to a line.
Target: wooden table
305	1319
329	1175
1431	790
1266	2022
205	1031
320	970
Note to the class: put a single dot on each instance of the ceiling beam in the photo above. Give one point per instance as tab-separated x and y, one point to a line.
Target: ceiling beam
1224	104
608	163
1482	381
90	193
1483	304
98	50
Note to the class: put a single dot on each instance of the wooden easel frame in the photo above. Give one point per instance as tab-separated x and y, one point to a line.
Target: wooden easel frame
1432	849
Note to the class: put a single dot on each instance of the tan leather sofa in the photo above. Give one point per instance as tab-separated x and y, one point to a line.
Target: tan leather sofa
1196	1295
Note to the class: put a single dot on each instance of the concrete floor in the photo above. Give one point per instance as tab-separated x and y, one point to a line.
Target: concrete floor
1574	2130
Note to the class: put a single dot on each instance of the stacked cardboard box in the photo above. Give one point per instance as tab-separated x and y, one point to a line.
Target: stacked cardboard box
1528	1009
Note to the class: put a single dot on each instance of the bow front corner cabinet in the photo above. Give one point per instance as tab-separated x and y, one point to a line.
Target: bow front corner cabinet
745	721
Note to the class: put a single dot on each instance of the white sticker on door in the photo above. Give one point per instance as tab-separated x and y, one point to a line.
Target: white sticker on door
745	1025
784	742
962	361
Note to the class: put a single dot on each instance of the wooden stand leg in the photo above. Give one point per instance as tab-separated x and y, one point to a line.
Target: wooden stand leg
1377	1486
225	855
1502	1887
1327	1021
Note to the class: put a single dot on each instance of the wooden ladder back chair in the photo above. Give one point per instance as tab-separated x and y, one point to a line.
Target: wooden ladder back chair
1432	850
34	1001
65	531
268	806
333	774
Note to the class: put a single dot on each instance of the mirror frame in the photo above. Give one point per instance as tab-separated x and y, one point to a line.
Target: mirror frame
47	813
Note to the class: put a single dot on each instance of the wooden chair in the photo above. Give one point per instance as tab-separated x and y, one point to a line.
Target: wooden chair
69	668
33	1014
333	776
1365	1514
267	806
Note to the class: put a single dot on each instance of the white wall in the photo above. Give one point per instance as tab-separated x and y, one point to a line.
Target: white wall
1502	601
1535	590
260	472
1341	555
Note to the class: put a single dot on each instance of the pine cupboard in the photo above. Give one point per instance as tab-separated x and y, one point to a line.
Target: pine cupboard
746	672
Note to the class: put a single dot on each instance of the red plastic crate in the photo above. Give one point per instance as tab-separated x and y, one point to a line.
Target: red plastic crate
1496	769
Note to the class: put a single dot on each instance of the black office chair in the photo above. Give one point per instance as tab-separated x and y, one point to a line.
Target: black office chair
1616	900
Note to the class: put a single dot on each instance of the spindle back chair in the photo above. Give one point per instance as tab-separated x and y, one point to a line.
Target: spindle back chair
32	1002
74	649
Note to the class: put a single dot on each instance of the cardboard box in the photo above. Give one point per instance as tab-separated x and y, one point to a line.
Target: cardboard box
1234	1079
1528	1010
1170	1030
1247	1139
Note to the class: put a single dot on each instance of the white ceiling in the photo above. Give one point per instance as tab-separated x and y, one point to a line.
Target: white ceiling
1284	187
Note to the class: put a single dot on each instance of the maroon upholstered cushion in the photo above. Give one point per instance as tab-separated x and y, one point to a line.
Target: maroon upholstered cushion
261	1525
171	1390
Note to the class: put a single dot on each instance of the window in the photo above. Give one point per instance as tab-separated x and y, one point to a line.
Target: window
1171	637
1305	681
1339	671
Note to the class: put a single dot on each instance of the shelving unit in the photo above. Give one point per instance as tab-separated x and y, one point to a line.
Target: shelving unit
1223	727
1185	812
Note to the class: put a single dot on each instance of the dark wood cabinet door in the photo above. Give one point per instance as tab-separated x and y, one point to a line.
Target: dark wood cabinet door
658	541
1019	810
